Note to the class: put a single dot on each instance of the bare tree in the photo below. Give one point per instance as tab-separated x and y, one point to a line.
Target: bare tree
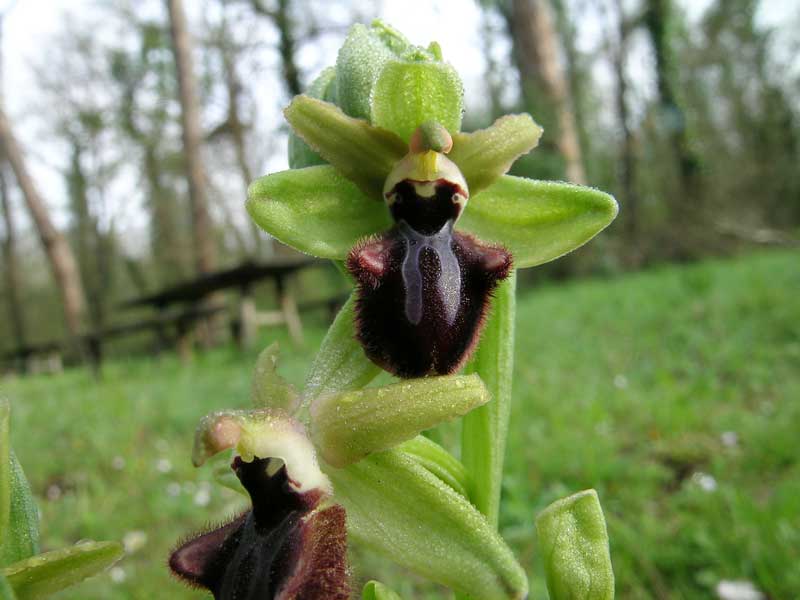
204	242
11	264
287	45
536	46
62	261
627	162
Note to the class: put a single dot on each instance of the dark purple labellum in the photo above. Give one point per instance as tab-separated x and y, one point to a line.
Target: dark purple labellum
284	548
423	297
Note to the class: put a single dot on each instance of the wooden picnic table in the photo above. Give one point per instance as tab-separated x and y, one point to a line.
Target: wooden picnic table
243	278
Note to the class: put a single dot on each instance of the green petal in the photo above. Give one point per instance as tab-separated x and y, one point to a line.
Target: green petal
375	590
574	545
362	153
340	364
315	210
19	517
270	390
487	154
360	61
323	88
409	93
438	461
397	508
537	220
48	573
349	426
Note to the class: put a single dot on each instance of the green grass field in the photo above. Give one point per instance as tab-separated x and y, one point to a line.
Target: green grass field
675	393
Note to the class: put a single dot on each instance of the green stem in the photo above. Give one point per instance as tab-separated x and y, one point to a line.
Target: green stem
484	430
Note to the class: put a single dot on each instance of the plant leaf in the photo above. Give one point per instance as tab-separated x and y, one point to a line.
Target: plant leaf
485	155
322	88
270	390
411	92
360	61
19	517
6	591
315	210
340	364
45	574
22	539
399	509
438	461
347	427
484	430
574	544
362	153
537	220
375	590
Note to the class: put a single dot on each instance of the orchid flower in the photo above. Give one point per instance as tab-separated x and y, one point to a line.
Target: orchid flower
424	215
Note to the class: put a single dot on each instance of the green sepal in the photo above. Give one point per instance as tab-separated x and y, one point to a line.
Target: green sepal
322	88
573	543
270	390
45	574
484	430
22	539
399	509
349	426
315	210
362	153
19	516
408	93
340	365
537	220
485	155
6	591
360	61
375	590
438	461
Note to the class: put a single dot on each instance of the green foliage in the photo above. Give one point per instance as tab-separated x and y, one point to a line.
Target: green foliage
612	381
347	427
374	590
390	499
45	574
574	545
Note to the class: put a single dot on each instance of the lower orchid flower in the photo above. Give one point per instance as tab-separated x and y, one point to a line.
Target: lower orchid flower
292	541
424	216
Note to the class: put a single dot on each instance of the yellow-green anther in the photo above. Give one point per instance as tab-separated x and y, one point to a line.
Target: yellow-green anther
574	545
347	427
216	432
431	136
262	433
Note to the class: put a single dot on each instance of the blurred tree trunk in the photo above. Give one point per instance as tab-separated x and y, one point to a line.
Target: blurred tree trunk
12	280
657	17
287	45
627	162
536	44
234	126
204	241
90	253
62	261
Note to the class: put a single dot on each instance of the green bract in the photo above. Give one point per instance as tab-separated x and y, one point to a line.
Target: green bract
574	545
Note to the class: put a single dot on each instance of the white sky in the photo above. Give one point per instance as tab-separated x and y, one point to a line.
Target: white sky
453	23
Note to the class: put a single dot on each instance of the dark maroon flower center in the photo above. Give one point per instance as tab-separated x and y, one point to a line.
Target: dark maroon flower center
423	287
282	546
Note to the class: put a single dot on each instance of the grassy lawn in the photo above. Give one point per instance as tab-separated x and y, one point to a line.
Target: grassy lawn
675	393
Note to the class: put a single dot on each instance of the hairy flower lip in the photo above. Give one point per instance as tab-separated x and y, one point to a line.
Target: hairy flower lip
286	545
